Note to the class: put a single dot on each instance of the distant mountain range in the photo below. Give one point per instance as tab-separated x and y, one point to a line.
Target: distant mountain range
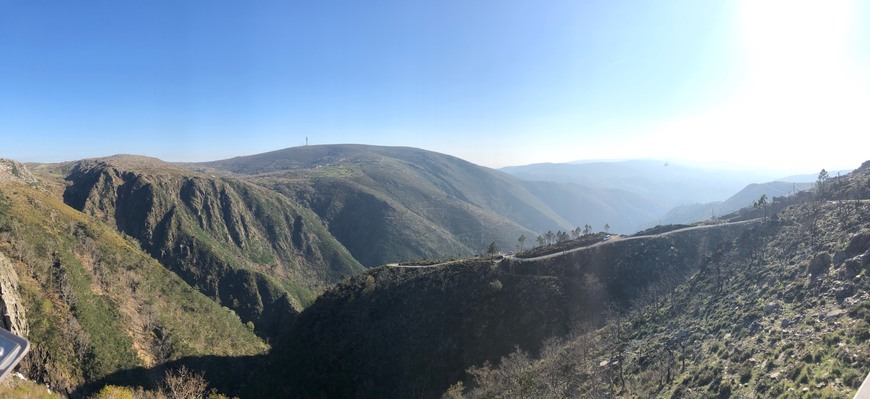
255	270
666	184
669	193
388	204
744	198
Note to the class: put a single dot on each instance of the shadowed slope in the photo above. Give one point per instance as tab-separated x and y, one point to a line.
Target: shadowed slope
404	332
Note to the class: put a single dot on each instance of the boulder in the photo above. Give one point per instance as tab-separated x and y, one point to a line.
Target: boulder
839	258
833	314
754	327
844	291
853	267
859	244
820	264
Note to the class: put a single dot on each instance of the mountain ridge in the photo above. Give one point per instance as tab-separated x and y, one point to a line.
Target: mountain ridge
94	303
744	198
253	250
459	206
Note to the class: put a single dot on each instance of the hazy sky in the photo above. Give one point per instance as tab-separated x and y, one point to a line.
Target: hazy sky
774	83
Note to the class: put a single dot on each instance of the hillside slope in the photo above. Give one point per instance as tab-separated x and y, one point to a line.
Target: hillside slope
783	312
388	204
770	307
745	197
623	211
250	249
404	332
92	304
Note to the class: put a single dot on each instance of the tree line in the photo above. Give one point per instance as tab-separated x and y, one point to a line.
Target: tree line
550	238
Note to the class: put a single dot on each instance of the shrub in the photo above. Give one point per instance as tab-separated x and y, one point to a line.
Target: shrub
114	392
725	390
851	378
745	372
14	388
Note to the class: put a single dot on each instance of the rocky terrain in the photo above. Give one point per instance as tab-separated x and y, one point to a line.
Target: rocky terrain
783	311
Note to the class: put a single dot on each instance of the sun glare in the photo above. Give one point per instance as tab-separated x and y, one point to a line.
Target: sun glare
800	87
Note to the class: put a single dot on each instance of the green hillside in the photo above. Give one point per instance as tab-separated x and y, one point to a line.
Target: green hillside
93	304
388	204
250	249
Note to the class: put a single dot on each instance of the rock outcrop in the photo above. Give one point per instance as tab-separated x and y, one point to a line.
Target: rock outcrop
249	249
15	171
11	309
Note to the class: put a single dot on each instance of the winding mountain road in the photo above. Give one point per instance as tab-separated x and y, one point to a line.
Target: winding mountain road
612	240
620	238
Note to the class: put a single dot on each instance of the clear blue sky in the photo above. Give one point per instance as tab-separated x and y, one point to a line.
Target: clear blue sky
772	83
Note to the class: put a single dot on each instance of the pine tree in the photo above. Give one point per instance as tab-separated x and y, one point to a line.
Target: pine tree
492	249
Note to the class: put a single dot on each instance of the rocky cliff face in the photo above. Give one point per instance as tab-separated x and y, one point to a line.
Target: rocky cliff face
97	307
15	171
252	250
11	307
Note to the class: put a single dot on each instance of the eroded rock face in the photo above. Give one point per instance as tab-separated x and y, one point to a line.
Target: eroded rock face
11	308
15	171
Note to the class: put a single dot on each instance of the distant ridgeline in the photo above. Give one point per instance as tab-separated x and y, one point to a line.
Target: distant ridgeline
249	276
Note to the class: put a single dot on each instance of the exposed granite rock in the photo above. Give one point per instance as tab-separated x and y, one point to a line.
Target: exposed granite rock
15	171
858	244
11	308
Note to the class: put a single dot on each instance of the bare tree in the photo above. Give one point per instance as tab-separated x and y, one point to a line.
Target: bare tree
183	383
